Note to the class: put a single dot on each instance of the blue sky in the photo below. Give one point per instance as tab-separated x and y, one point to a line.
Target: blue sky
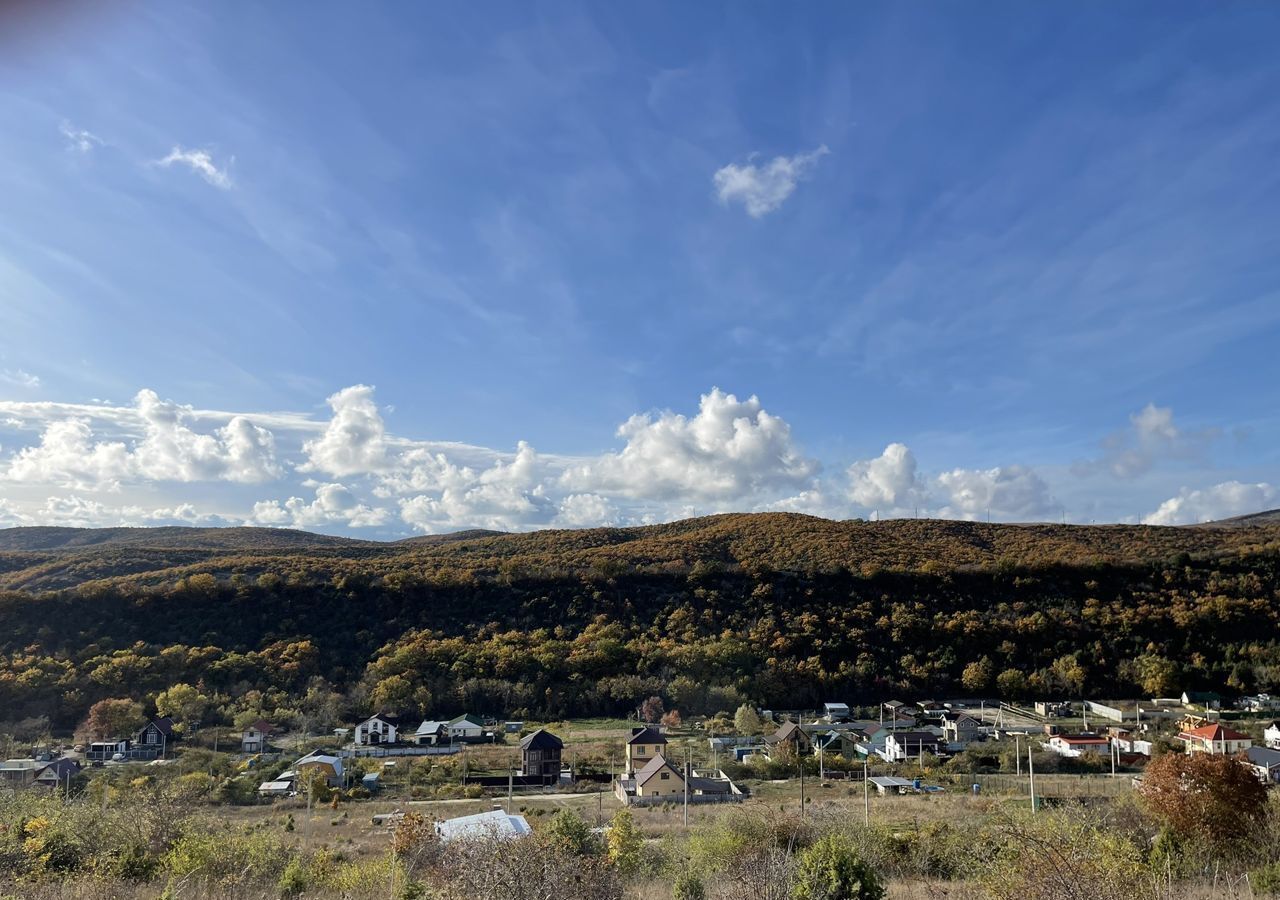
398	268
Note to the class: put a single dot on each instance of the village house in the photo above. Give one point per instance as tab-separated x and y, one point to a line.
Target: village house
1126	741
837	742
377	729
1076	745
790	737
1272	735
255	737
105	751
644	744
57	773
1259	703
1266	762
330	767
836	712
17	772
961	728
432	732
904	745
466	728
155	738
658	781
1216	739
540	755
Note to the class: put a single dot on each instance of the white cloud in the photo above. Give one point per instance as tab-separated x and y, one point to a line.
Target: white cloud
71	455
1152	435
78	139
730	451
20	378
586	511
354	442
200	162
1007	492
507	496
1222	501
333	503
762	189
887	482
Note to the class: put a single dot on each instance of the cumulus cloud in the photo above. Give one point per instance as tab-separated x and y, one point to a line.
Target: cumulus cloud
1152	435
201	162
1222	501
887	482
731	450
1008	492
506	496
762	189
586	511
78	139
333	504
19	378
355	440
70	454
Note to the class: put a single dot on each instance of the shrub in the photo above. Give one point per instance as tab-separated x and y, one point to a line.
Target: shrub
832	870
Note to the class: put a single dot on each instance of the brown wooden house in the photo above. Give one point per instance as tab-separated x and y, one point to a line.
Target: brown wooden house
540	755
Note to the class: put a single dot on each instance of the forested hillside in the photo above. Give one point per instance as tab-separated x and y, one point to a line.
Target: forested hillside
779	609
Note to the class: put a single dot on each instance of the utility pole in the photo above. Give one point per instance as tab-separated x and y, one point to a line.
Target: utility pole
1017	751
1031	769
511	785
687	770
803	811
866	791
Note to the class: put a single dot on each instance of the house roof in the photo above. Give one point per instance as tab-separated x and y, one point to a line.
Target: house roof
386	717
495	823
59	769
646	735
1214	732
466	719
320	759
836	706
1081	738
788	731
431	727
655	765
263	726
1263	756
1202	695
163	724
541	740
708	785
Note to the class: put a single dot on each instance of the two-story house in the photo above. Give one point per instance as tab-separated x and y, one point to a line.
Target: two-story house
644	744
254	738
903	745
540	755
378	729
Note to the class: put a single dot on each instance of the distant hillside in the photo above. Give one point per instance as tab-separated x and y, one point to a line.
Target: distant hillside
52	558
1270	517
778	609
174	537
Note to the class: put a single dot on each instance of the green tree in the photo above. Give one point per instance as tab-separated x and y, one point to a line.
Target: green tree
747	721
1157	675
688	886
570	834
832	870
183	703
624	842
977	675
1011	684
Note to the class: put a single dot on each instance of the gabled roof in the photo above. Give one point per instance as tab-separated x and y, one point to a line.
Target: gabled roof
163	724
263	727
59	769
915	737
1214	732
431	726
1081	738
788	731
655	765
466	719
647	735
1275	723
385	717
541	740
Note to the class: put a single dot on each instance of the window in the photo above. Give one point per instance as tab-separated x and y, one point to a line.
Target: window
666	776
639	751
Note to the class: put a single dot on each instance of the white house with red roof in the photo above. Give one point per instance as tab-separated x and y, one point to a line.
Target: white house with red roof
1216	739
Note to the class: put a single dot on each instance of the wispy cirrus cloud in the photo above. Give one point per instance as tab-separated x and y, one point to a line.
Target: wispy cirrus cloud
19	378
761	189
78	139
201	162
